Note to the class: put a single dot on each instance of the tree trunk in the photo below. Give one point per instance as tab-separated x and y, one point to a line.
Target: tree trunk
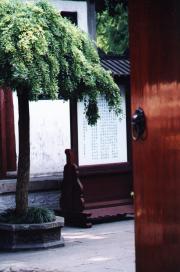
24	154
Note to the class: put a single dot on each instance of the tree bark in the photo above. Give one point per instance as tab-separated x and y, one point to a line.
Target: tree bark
24	154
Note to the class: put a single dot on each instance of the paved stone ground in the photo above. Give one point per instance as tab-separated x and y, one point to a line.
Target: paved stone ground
102	248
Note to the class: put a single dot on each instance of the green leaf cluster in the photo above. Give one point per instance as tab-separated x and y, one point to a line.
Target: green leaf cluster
112	30
45	55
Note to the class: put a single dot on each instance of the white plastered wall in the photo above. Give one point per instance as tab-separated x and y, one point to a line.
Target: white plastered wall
72	6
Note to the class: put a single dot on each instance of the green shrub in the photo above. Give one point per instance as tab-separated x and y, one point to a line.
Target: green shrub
34	215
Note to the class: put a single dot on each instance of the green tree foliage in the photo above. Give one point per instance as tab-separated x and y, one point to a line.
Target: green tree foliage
102	5
45	54
112	28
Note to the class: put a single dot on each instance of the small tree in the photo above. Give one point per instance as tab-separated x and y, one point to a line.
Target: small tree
44	55
112	28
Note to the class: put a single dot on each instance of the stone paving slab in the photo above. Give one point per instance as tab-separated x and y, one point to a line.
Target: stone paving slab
20	268
102	248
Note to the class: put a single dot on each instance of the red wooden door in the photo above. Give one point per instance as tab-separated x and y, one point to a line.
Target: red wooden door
155	86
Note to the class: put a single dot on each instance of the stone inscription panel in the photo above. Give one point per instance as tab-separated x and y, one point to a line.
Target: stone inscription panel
106	142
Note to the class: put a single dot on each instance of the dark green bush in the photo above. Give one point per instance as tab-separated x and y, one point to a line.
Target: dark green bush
34	215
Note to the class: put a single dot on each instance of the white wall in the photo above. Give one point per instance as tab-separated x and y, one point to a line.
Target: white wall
72	6
49	135
49	120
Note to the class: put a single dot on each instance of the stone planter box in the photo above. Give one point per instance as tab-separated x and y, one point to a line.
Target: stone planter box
14	237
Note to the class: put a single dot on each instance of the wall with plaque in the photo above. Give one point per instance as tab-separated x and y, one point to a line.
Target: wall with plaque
102	155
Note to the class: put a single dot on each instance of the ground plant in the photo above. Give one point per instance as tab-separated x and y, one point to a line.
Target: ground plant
33	215
43	55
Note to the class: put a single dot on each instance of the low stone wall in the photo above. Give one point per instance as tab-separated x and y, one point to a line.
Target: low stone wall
40	199
43	192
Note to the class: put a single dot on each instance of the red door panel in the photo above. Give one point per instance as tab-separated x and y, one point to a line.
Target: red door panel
155	86
7	135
